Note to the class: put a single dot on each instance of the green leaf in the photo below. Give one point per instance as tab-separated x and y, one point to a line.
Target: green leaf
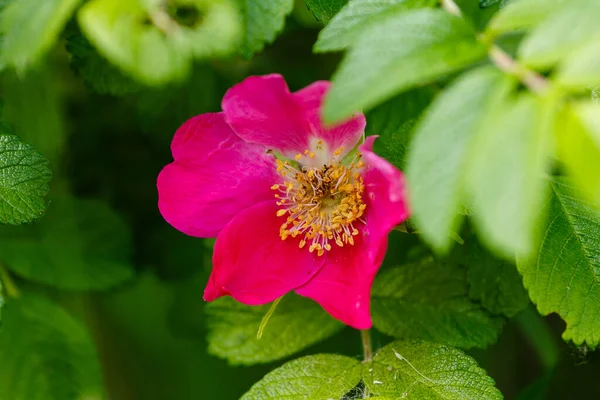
578	146
394	121
46	355
494	283
34	103
430	300
31	27
415	369
263	20
523	14
154	44
563	32
324	10
582	69
233	328
403	50
563	276
438	153
78	245
96	71
505	176
23	181
318	377
350	23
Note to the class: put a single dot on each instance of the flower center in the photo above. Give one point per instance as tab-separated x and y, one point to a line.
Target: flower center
322	203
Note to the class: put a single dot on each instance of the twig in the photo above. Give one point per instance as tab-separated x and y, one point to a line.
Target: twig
534	81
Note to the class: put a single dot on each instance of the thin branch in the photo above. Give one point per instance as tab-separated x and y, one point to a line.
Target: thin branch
451	7
534	81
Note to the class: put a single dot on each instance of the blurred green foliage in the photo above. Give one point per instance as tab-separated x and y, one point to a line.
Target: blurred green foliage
487	107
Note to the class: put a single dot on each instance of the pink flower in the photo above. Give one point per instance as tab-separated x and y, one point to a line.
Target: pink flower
295	205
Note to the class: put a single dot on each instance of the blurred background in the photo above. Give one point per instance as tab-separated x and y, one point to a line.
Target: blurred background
149	331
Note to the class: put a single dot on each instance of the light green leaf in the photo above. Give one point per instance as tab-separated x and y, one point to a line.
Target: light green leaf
31	27
153	44
394	121
506	173
430	300
233	328
494	283
403	50
24	179
581	70
96	71
324	10
263	20
578	146
78	245
523	14
350	23
46	355
563	32
323	376
438	153
563	276
414	369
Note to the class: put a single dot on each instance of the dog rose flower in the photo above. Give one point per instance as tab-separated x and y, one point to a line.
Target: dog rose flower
294	204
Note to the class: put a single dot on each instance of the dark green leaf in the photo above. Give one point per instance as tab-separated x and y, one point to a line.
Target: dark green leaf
233	329
324	10
506	175
414	369
34	104
24	181
494	283
31	27
96	71
563	276
263	20
78	245
46	355
323	376
350	23
403	50
394	121
430	300
438	154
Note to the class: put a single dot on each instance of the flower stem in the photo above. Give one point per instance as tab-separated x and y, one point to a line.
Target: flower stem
365	336
267	317
9	286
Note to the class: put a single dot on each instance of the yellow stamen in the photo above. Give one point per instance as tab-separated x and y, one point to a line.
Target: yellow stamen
323	204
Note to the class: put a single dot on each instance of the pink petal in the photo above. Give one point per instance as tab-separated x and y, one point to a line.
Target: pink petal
385	197
252	264
262	110
215	176
345	135
343	286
